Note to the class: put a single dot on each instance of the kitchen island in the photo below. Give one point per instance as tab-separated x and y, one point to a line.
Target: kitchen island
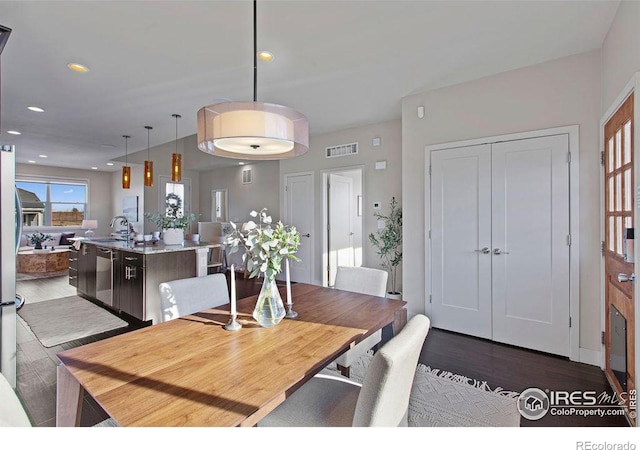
124	276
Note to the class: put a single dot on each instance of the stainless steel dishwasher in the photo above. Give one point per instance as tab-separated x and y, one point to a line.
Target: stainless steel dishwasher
104	279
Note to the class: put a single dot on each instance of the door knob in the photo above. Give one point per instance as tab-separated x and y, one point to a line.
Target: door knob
484	250
497	251
623	277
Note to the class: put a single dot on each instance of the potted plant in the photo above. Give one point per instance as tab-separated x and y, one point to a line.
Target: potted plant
388	243
173	222
37	239
265	247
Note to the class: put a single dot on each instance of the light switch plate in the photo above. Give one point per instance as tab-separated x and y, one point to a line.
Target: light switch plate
381	165
376	142
381	224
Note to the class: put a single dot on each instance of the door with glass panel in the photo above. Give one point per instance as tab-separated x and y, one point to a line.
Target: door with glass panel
617	248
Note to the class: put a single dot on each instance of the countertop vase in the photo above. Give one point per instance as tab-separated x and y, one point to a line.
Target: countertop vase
173	236
269	310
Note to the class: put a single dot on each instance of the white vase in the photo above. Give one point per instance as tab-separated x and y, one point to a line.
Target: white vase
394	295
173	236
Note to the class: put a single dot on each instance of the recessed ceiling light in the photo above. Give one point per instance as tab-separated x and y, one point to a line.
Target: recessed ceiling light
265	56
94	168
14	132
241	163
35	109
43	156
109	164
78	67
31	161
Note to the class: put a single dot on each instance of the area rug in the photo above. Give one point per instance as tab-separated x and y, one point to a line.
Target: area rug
444	399
65	319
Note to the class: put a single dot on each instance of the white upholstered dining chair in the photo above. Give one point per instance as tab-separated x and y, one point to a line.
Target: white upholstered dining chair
368	281
330	400
180	298
12	413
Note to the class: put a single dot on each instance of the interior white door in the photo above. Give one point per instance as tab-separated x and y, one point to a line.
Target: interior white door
500	242
530	243
299	201
341	251
461	240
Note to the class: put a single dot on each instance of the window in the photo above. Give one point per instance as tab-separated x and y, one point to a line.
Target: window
52	203
182	190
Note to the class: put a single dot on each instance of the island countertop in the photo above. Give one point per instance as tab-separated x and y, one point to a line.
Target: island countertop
147	248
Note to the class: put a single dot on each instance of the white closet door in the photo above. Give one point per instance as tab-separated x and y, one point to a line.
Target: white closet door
460	229
530	226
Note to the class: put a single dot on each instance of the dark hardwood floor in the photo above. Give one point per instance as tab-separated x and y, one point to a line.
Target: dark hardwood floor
516	369
510	368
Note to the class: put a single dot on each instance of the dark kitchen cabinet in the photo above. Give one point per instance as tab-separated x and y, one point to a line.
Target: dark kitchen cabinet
129	277
86	269
73	267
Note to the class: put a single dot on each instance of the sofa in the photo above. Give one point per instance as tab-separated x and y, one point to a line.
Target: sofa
57	239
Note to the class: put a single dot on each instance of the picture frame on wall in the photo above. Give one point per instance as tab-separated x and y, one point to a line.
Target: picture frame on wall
130	208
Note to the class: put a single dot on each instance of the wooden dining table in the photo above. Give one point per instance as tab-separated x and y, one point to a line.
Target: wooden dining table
192	372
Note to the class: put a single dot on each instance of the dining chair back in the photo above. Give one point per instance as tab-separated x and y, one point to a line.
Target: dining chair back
364	280
186	296
12	413
385	392
382	400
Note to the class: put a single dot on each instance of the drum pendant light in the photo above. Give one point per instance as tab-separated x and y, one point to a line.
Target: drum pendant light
126	170
148	164
176	158
252	130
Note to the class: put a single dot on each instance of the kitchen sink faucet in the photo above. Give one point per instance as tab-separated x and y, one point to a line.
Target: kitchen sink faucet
124	221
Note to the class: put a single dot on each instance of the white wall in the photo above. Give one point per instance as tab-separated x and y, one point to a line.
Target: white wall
620	52
378	185
557	93
99	189
263	192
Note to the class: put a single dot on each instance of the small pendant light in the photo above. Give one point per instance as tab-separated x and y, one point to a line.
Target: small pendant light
148	164
176	158
126	170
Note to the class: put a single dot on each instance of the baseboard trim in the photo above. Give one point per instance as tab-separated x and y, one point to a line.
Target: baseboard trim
591	357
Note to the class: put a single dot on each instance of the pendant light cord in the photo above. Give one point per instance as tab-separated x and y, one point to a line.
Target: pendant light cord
126	148
255	52
177	116
148	141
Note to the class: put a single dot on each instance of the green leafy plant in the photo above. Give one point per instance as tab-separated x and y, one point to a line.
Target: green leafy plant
265	246
173	218
38	238
388	241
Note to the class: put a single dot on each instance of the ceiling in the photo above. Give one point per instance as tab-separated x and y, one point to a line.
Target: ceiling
341	63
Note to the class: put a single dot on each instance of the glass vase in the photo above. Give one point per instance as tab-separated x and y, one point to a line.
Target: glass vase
269	309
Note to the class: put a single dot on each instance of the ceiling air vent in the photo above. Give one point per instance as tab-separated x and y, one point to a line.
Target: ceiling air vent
341	150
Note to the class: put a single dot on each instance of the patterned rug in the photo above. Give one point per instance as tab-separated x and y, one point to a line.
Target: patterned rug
445	399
